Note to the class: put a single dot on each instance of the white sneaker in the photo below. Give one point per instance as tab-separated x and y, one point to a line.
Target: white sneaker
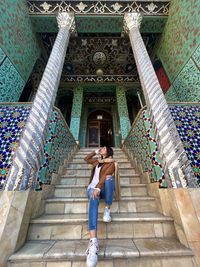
92	253
106	215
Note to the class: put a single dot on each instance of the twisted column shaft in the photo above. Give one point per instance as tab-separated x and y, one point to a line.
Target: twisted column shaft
176	165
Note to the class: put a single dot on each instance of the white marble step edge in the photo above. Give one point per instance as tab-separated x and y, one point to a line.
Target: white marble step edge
109	249
79	218
72	199
89	168
85	175
61	186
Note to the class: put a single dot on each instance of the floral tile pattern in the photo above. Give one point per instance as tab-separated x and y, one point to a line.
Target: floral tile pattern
186	86
196	56
142	142
171	95
12	121
59	145
10	81
18	39
59	142
187	83
187	119
181	36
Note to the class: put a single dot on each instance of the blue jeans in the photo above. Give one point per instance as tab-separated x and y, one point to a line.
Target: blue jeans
106	193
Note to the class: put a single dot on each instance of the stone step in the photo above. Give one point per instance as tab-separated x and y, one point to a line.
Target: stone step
86	152
68	226
87	171
84	180
85	165
80	190
80	205
94	148
112	253
81	160
117	154
117	158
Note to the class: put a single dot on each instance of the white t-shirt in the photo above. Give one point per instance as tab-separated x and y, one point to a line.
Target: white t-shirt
95	178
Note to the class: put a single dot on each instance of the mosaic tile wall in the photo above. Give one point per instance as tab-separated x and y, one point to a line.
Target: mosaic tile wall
142	142
12	121
17	38
76	112
59	142
181	35
171	95
10	80
186	86
187	119
179	51
122	111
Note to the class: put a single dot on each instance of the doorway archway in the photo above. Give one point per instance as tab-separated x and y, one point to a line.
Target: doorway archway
100	129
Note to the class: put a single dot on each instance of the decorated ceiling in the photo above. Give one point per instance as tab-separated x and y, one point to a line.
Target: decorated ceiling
95	55
99	50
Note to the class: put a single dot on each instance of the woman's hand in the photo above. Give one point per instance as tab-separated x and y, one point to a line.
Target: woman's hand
95	193
97	151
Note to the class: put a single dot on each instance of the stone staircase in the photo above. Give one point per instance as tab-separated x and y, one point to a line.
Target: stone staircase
138	235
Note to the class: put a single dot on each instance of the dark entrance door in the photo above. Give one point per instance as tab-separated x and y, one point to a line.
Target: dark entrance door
100	129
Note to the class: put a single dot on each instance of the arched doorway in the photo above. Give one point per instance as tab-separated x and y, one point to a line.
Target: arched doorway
100	129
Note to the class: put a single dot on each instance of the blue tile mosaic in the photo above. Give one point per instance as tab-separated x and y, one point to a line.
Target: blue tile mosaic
12	121
187	119
59	142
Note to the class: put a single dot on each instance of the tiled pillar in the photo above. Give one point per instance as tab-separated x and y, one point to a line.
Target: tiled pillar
116	127
27	158
122	111
176	165
83	127
76	112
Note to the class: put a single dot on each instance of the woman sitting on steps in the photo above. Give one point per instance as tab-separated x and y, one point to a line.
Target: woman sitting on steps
101	185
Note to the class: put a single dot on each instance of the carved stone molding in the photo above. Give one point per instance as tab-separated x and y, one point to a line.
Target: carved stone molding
94	78
158	8
132	20
65	19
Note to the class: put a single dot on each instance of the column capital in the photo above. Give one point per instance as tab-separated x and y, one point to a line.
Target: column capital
65	19
132	20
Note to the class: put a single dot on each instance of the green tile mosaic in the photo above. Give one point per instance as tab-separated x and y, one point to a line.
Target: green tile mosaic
153	24
187	84
122	111
2	55
196	57
93	24
76	112
142	142
44	23
83	127
171	95
100	24
17	37
10	81
181	35
59	143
